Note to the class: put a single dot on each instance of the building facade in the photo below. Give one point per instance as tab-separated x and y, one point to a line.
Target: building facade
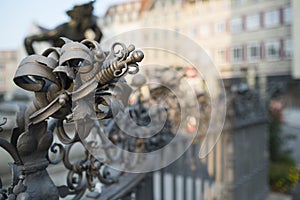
8	65
252	40
238	35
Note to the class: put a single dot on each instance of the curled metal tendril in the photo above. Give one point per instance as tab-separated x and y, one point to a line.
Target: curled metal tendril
2	123
123	52
83	173
63	136
133	68
75	180
59	151
120	72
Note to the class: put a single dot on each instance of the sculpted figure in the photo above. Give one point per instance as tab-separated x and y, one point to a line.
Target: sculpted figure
81	24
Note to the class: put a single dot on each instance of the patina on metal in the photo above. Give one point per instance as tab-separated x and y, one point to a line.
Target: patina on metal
82	23
71	84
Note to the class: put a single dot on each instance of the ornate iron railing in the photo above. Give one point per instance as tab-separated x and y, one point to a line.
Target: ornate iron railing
77	84
80	87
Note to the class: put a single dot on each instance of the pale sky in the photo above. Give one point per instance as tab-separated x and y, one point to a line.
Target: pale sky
17	16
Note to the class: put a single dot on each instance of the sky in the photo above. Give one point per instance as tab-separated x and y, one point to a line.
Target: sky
17	16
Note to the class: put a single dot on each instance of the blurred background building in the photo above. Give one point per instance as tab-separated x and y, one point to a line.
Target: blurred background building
255	37
239	35
256	41
8	64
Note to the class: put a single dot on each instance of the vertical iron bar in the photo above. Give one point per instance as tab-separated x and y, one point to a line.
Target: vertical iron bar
162	184
174	169
184	173
204	166
149	185
194	170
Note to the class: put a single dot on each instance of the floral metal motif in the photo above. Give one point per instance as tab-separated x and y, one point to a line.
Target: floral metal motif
73	85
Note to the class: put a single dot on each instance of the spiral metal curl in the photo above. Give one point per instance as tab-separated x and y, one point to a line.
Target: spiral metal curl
121	54
59	150
2	123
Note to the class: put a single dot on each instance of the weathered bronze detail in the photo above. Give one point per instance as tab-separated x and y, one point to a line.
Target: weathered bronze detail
71	84
82	22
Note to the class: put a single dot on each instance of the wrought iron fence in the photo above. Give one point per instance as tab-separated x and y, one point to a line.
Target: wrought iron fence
84	82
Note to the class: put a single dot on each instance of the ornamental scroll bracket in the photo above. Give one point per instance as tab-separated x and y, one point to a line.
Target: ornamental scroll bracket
71	84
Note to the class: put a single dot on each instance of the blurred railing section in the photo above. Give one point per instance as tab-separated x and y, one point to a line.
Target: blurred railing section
236	168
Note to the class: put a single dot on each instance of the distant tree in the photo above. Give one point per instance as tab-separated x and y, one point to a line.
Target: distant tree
283	172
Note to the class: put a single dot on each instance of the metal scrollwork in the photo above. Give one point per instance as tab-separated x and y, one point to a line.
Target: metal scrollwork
3	192
59	151
75	85
2	123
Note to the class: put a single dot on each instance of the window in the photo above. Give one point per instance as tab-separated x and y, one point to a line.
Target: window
238	2
109	19
236	25
125	17
118	18
159	4
173	1
253	51
237	54
288	48
204	30
221	56
120	9
176	14
112	10
146	21
194	31
101	21
252	22
129	6
1	80
271	18
220	27
287	15
155	36
137	5
168	3
165	17
272	49
134	15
